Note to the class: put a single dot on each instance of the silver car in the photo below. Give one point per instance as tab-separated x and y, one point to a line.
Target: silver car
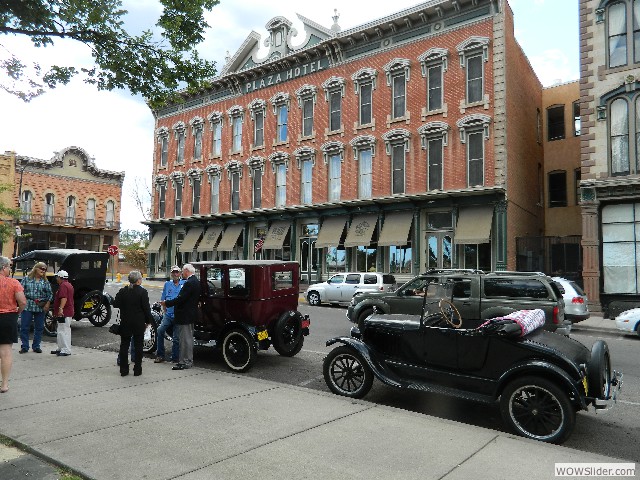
576	306
341	287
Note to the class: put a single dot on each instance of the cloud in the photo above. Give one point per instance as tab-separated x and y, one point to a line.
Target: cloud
554	66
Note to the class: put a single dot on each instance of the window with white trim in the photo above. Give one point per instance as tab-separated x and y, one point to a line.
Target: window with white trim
91	212
364	81
305	159
474	130
334	93
236	118
234	172
280	164
71	210
256	171
215	125
214	174
195	179
161	191
474	52
306	96
196	130
163	139
111	214
25	205
179	132
333	154
178	199
280	103
434	137
256	109
397	145
49	205
398	73
433	64
364	151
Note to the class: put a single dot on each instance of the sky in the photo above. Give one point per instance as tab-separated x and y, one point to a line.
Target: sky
117	128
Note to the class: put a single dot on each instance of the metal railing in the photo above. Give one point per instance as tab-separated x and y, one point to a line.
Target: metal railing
68	221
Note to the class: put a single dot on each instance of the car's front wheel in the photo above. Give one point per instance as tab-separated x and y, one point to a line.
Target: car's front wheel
50	324
313	298
238	350
537	408
287	334
347	373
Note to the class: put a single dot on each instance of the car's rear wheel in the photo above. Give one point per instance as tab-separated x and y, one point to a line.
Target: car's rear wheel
50	324
151	345
347	373
238	350
313	298
638	329
101	316
537	408
363	315
287	334
599	371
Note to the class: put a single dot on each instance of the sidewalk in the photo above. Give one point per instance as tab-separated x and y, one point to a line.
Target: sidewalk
78	413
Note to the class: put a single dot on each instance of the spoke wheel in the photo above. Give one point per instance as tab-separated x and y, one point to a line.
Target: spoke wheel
149	346
50	325
346	373
313	298
238	350
287	334
101	315
536	408
599	371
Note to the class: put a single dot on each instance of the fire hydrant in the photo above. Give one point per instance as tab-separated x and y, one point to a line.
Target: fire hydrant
118	277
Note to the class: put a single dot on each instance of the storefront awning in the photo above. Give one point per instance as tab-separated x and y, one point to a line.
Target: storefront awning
156	241
189	242
330	232
276	235
361	230
474	225
210	238
230	237
395	230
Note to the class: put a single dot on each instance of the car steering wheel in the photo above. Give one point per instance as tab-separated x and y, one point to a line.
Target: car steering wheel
450	313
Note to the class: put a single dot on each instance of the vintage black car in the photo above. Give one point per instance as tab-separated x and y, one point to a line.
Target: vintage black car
87	273
540	378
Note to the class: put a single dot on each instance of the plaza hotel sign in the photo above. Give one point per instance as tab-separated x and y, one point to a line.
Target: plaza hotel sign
285	75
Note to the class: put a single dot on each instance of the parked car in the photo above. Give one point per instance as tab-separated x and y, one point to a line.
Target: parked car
341	287
477	295
246	306
87	273
629	321
539	378
576	306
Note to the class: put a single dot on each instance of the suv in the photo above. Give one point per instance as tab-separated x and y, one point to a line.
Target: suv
476	294
340	288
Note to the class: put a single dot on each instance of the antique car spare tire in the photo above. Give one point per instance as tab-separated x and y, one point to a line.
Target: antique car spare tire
599	371
287	334
238	350
313	298
537	408
347	373
93	307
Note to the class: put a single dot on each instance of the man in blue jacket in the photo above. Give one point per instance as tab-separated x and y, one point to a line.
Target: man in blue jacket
185	315
169	292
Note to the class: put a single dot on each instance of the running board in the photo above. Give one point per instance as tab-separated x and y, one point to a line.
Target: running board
450	392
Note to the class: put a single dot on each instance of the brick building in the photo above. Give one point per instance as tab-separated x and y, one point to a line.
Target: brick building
67	202
411	142
610	185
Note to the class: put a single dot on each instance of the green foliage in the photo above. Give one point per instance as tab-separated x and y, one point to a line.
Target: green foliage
7	215
132	238
147	66
136	257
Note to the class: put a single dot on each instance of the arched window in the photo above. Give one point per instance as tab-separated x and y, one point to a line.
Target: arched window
25	206
619	133
49	204
71	210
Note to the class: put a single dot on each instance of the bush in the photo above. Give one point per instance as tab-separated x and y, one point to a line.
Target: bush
136	257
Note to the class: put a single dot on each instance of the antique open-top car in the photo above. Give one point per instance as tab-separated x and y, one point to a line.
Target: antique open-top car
246	306
87	273
540	378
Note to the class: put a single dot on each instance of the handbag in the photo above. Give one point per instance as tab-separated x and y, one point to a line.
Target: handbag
115	327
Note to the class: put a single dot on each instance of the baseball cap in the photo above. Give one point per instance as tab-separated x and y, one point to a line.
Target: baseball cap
62	274
176	268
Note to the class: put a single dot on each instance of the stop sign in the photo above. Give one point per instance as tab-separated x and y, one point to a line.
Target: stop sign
112	250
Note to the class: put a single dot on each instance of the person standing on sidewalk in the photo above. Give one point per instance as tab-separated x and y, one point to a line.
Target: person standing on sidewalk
170	291
186	312
135	318
12	302
37	290
63	309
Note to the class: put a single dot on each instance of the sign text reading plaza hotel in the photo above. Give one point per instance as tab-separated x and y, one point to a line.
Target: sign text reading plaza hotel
295	72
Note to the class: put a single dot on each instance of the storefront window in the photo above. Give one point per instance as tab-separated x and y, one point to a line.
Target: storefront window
400	259
336	260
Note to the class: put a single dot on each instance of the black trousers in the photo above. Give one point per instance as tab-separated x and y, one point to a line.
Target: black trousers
125	341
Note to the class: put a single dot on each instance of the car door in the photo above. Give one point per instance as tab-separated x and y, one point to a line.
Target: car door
333	289
212	300
352	282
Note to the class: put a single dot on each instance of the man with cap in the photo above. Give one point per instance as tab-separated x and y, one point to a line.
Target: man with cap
63	310
170	291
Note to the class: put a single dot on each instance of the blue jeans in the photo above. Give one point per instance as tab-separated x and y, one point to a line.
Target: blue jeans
175	347
26	317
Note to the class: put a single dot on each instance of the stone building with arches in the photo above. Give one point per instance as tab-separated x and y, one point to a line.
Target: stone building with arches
66	202
410	142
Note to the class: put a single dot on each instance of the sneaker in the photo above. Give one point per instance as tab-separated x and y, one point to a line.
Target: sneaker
158	360
37	350
24	350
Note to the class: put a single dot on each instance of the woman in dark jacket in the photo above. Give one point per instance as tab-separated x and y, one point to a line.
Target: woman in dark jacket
135	317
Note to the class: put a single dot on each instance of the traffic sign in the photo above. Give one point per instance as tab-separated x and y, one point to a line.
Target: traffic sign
112	250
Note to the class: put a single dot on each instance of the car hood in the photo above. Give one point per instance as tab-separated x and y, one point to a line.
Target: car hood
558	344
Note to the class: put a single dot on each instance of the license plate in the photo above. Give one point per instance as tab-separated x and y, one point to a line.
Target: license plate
88	304
263	335
586	385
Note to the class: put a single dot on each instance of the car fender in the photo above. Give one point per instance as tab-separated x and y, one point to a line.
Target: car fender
376	367
107	299
320	290
251	330
547	370
380	305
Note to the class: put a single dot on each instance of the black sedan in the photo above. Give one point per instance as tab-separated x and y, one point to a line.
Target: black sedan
540	378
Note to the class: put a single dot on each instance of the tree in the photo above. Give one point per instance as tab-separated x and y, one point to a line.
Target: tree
133	238
7	217
144	64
